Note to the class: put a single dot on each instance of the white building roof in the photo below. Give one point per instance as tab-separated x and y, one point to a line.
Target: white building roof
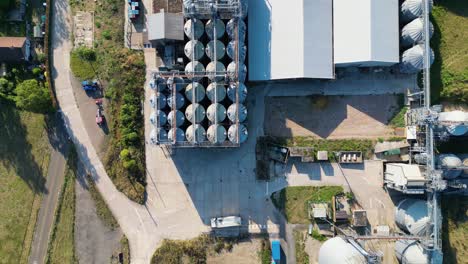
401	174
365	32
290	39
163	26
228	221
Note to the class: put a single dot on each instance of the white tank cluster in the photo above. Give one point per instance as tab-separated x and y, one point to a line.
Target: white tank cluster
450	164
412	60
410	252
412	33
411	216
337	250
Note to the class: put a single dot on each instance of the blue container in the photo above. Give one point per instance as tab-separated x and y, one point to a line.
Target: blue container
276	251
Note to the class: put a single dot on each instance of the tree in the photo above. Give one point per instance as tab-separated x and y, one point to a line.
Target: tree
6	87
33	96
36	71
86	53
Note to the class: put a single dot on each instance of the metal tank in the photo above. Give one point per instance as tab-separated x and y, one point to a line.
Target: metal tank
194	28
413	32
232	89
411	216
158	135
449	163
179	83
411	9
410	252
195	113
157	82
219	49
454	117
234	129
196	88
215	71
195	68
231	29
162	100
160	116
194	50
216	113
217	24
337	250
231	51
178	135
241	72
412	59
179	101
179	118
195	133
216	134
232	113
216	92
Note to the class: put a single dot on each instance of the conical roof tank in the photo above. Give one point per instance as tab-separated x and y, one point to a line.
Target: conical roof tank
231	29
195	68
231	51
158	135
215	71
241	74
179	83
216	92
178	135
411	216
234	129
449	163
158	115
216	134
179	101
194	50
196	88
195	133
413	32
232	89
411	9
216	113
215	46
217	24
410	252
194	28
337	250
195	113
179	118
412	59
162	100
232	113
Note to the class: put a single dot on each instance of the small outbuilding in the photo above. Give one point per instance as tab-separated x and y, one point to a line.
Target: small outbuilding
165	27
14	49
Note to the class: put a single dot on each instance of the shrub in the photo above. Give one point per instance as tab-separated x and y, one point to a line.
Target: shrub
37	71
125	154
33	96
106	34
98	24
86	53
41	57
6	87
130	165
130	139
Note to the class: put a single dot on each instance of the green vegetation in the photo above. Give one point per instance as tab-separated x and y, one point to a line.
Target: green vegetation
124	250
301	256
399	119
455	229
24	158
31	95
292	201
265	251
449	73
317	236
102	210
82	69
62	240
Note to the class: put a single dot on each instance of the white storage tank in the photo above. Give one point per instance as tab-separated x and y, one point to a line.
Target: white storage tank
216	92
216	134
162	100
217	24
157	82
231	51
449	163
178	135
160	116
215	50
413	32
179	118
232	89
455	116
179	101
232	113
411	216
194	50
231	29
194	28
195	113
216	113
337	250
195	133
215	71
412	59
196	88
410	252
411	9
179	83
241	72
158	135
195	68
234	130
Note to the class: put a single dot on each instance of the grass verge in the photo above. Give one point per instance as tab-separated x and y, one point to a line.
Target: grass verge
265	251
455	229
299	240
102	209
122	255
83	70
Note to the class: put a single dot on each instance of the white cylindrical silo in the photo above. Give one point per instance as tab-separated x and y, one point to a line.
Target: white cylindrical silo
449	164
216	113
454	117
160	116
178	135
215	50
194	28
410	252
217	24
412	59
195	70
179	118
233	132
216	134
215	71
411	216
195	90
232	113
337	250
216	92
231	51
178	102
241	71
195	133
177	83
411	9
232	90
413	32
195	113
231	29
194	50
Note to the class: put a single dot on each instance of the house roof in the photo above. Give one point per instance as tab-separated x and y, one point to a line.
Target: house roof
11	49
9	42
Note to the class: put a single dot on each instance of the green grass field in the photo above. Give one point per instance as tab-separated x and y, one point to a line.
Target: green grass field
455	229
24	158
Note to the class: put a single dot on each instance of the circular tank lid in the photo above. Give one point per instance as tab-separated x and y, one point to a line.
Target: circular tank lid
179	135
162	100
218	46
411	216
231	27
413	32
179	83
215	71
196	88
195	133
231	51
449	162
216	134
158	115
195	113
158	135
233	130
231	113
157	82
242	72
180	118
179	102
194	50
457	130
195	27
337	250
216	92
412	59
232	89
411	9
216	113
218	24
195	68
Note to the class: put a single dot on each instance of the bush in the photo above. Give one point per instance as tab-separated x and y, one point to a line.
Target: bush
106	34
131	139
125	154
37	71
130	165
6	87
33	96
41	57
98	24
86	53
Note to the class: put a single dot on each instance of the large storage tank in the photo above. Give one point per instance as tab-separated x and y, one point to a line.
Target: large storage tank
195	68
232	113
216	113
413	32
194	50
410	252
231	29
234	130
178	102
241	72
195	133
215	50
179	118
216	92
449	163
215	71
216	134
178	135
162	101
232	89
455	116
179	83
194	28
411	9
196	88
157	82
217	24
159	116
231	51
337	250
412	59
195	113
411	216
